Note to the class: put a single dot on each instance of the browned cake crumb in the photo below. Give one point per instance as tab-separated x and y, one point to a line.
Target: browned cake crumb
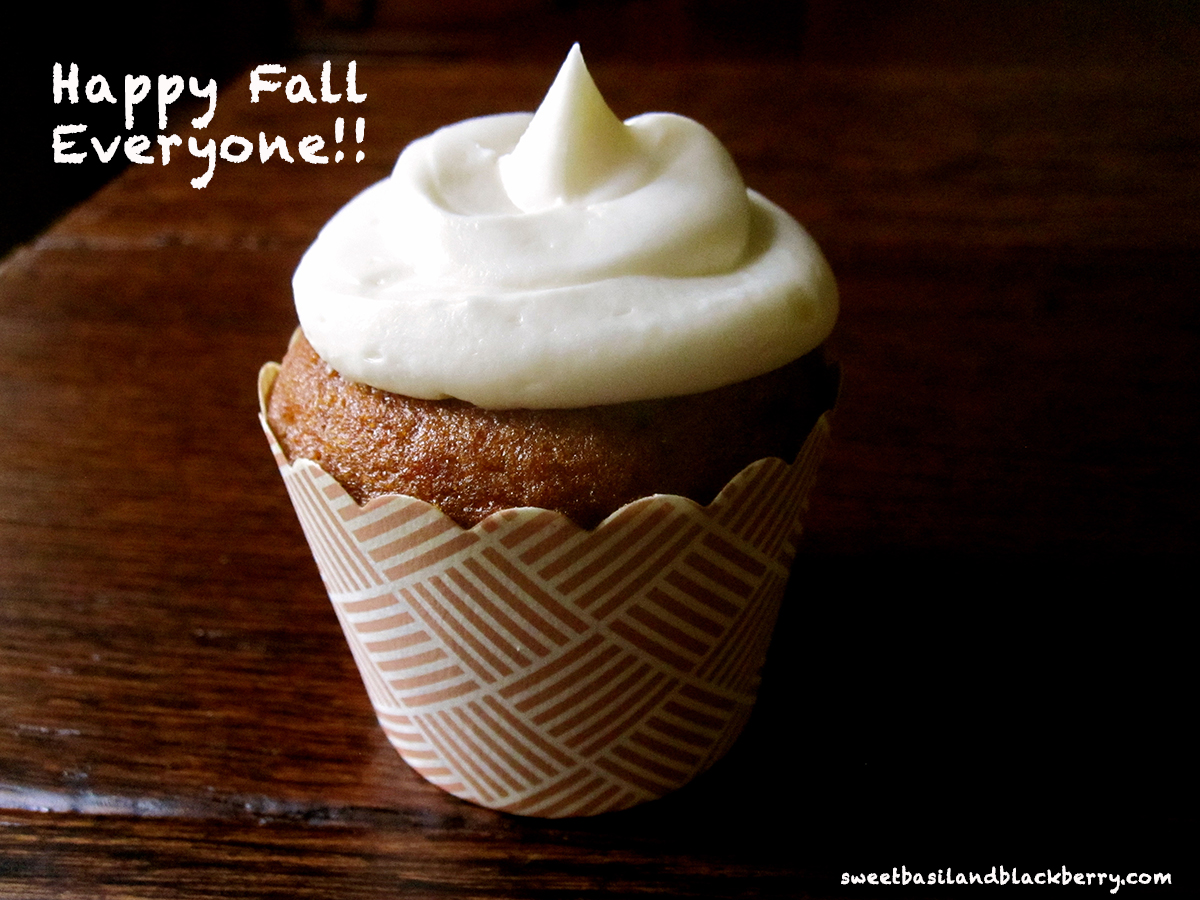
585	463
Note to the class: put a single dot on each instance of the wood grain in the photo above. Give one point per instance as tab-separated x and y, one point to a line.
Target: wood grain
120	857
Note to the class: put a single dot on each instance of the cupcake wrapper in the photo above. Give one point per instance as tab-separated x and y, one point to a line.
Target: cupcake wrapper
531	666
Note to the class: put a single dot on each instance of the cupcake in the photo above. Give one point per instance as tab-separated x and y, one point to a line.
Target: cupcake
549	423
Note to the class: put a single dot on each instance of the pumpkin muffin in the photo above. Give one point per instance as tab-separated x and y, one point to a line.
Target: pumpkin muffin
585	462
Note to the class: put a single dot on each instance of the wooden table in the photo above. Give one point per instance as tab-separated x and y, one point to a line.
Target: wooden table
982	659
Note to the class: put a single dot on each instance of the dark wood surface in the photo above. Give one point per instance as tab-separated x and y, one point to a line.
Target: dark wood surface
983	659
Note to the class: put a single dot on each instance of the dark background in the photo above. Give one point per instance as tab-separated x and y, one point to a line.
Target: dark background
218	39
210	40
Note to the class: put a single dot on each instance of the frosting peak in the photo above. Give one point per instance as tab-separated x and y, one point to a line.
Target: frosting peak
573	146
560	259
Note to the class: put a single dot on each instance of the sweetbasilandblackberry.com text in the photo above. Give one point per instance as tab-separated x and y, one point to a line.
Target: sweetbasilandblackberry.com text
1004	876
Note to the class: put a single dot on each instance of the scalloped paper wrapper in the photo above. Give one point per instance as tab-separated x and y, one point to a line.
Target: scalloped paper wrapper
534	667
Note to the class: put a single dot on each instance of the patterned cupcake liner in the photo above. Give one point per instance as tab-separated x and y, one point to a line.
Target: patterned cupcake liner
531	666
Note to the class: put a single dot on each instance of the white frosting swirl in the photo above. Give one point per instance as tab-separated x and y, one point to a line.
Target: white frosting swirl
563	259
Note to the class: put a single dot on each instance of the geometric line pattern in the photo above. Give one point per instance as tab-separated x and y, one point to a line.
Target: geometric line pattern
531	666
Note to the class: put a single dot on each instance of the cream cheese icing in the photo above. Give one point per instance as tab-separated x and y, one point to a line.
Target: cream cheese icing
563	259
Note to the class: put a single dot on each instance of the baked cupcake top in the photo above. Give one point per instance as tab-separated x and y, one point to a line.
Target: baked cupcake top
563	259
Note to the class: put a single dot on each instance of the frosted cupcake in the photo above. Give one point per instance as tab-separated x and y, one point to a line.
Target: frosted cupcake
549	424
